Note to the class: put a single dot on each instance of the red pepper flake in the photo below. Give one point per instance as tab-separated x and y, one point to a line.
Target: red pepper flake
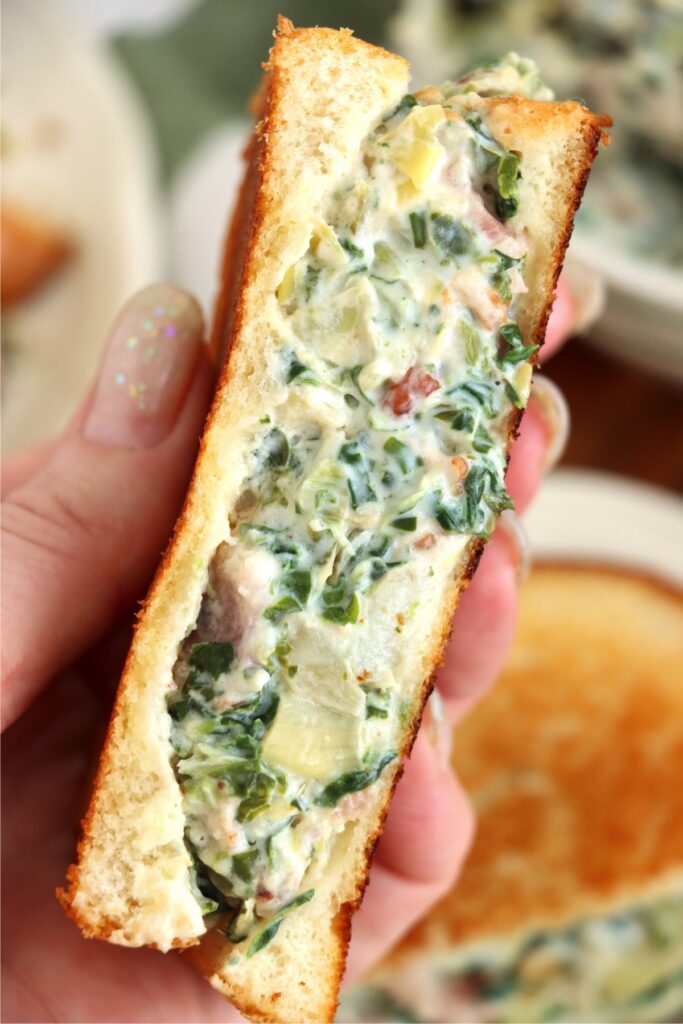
425	542
415	383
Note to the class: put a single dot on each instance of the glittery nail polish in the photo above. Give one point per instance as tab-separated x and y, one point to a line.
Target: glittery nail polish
146	369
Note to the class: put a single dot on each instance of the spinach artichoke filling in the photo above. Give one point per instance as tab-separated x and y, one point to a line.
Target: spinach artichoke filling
625	967
400	366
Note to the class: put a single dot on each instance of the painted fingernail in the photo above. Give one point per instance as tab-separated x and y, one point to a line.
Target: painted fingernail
438	729
554	410
518	539
146	370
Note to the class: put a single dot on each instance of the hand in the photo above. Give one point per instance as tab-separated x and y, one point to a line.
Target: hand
85	519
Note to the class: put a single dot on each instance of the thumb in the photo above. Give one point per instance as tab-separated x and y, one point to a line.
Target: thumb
82	533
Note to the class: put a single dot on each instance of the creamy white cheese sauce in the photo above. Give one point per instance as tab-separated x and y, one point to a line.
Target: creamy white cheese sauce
401	364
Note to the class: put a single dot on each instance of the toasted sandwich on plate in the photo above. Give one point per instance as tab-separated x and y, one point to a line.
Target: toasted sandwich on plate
570	907
387	282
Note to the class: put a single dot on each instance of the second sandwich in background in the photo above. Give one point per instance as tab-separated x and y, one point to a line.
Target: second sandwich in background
570	907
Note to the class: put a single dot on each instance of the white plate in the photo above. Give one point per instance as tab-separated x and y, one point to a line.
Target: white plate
76	151
597	517
201	201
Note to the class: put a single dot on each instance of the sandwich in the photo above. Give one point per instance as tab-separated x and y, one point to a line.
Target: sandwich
570	907
387	281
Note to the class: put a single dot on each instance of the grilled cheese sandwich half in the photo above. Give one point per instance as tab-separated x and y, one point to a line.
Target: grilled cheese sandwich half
387	282
570	907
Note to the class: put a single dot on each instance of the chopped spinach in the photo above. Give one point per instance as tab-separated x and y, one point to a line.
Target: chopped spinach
377	703
487	151
300	372
515	351
352	249
406	104
405	457
353	781
213	657
506	208
449	235
471	340
296	585
310	280
418	224
340	602
358	479
267	934
406	523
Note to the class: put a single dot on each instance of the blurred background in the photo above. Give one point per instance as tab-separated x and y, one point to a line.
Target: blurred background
123	124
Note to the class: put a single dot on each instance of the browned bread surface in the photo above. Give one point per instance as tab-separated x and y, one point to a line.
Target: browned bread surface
573	762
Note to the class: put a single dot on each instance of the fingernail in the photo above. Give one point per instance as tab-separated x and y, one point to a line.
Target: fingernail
588	294
147	367
518	539
438	729
554	411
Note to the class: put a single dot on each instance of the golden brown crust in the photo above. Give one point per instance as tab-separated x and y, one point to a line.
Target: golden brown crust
572	762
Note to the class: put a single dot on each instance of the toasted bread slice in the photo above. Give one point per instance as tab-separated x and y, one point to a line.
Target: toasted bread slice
325	92
573	765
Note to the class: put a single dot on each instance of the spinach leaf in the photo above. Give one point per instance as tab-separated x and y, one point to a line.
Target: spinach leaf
500	278
377	703
353	781
285	604
487	151
310	280
471	340
449	235
515	350
298	584
506	208
407	523
402	453
475	483
212	657
358	480
353	250
418	224
465	516
244	865
403	107
262	708
301	373
340	602
450	516
267	934
475	393
275	449
508	173
209	898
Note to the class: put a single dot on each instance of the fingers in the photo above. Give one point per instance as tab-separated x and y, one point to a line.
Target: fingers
20	467
426	837
541	442
483	629
561	322
83	531
484	623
